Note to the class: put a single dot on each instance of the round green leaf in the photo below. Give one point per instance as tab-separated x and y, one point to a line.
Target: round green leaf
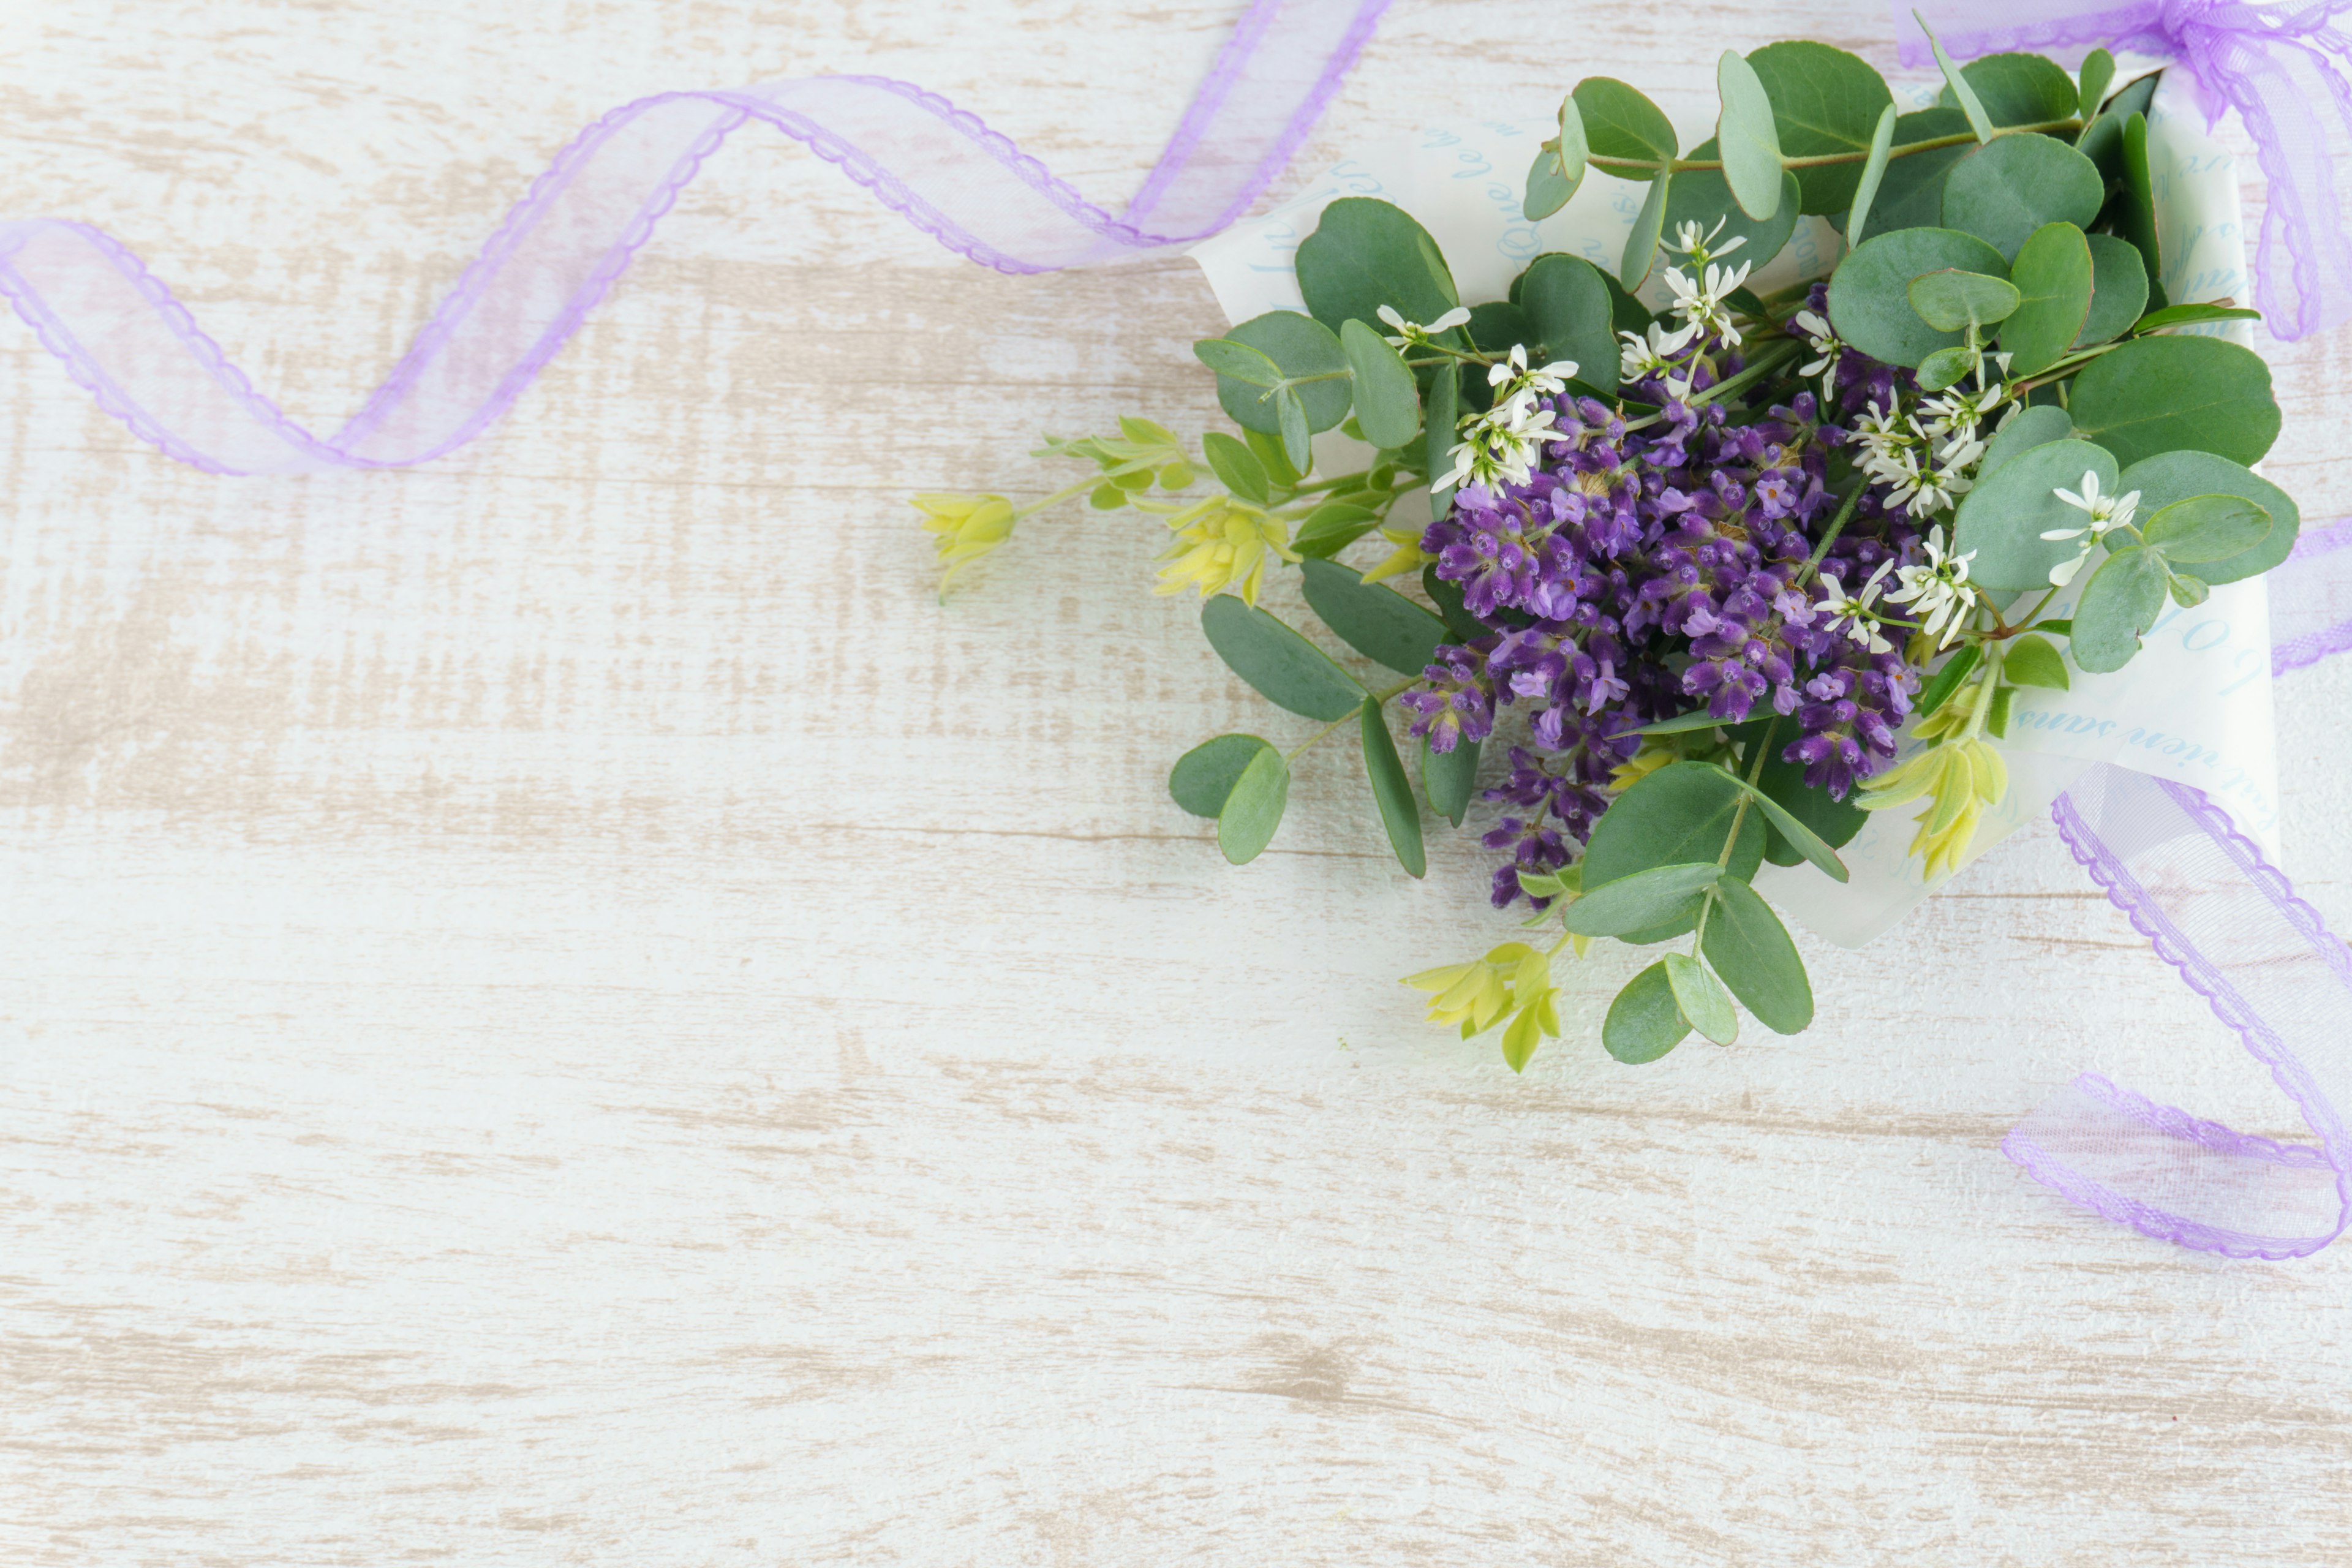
1679	815
1377	622
1295	345
1618	122
1950	300
2167	394
1641	900
2034	426
1750	145
2020	90
1912	194
1870	299
2119	604
1644	1022
2053	274
1254	810
2119	289
2091	85
1388	404
1366	253
1945	367
1642	244
1702	197
1292	414
1751	951
1549	189
2206	528
1236	467
1568	305
1448	778
2012	185
1286	670
2003	518
1400	813
2174	476
2034	660
1824	101
1701	998
1204	777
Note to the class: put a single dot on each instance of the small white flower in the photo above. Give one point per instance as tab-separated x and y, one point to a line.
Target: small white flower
1407	333
1699	301
1689	241
1823	340
1656	355
1938	592
1855	609
2102	516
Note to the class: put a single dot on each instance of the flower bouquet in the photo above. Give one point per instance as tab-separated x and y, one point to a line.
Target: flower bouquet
1685	572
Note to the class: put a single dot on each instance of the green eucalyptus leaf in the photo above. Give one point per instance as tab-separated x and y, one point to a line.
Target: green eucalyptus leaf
1833	821
1204	777
2174	476
2171	393
1749	142
1912	194
1701	998
1447	596
1945	681
1549	186
1296	443
1438	435
1297	346
2205	528
1449	778
1254	810
2191	316
1331	528
2119	289
1824	101
1945	367
1680	815
1873	174
1366	253
2031	428
2136	219
1641	900
1566	301
1957	89
1644	1022
2103	141
2098	71
1379	623
1400	813
1236	467
1618	122
2020	90
1751	951
1642	244
1237	362
2052	273
2013	186
1949	298
2118	605
2005	516
1267	447
1799	836
1388	404
1285	669
1870	303
2034	660
1702	197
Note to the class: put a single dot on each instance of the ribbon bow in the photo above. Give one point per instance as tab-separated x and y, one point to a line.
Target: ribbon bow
2277	65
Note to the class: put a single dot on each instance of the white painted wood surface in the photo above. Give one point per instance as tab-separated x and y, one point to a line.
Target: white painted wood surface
556	1009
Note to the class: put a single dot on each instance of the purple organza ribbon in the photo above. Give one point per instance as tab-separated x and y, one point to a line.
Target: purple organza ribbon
2280	68
124	338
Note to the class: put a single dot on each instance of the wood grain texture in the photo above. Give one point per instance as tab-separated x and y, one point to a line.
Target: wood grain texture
557	1008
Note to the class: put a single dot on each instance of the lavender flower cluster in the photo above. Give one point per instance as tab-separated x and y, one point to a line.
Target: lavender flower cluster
1639	571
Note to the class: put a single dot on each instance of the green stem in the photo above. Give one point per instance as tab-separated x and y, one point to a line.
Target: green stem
1292	755
1837	526
1767	360
1081	488
1644	169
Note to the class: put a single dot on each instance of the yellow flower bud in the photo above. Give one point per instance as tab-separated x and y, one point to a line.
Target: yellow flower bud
969	527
